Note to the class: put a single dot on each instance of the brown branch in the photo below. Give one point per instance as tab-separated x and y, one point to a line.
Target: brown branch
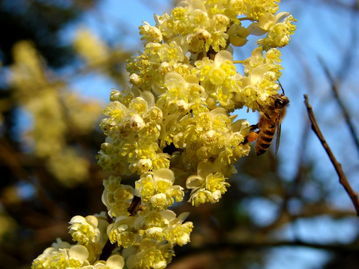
337	166
335	90
134	207
11	158
322	209
308	211
343	4
244	245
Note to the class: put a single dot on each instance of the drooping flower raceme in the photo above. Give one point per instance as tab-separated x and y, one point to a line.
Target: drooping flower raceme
173	132
56	112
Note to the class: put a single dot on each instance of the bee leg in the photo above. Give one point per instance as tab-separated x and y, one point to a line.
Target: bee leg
251	137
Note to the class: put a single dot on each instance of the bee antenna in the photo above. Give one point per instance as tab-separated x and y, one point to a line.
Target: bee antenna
280	84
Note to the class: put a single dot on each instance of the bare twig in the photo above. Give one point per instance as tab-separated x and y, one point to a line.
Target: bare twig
334	87
241	245
308	211
348	59
134	207
342	4
338	167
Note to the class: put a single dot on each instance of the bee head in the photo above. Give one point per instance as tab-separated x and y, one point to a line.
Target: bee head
281	101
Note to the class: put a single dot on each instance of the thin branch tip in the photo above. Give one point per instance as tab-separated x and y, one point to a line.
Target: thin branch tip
335	88
337	165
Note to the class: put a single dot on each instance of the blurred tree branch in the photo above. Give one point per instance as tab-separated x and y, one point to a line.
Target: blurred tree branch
344	4
335	90
241	245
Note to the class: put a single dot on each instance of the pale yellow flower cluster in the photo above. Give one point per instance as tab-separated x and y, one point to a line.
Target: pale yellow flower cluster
90	47
173	131
55	112
62	255
100	57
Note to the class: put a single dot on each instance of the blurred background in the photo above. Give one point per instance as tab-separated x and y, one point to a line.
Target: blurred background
59	61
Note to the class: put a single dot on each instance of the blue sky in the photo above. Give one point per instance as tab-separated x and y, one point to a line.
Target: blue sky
321	31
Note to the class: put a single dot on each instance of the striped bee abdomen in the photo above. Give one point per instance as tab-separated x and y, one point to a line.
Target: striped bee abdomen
264	140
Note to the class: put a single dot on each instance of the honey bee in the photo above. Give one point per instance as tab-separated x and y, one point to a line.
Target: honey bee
269	123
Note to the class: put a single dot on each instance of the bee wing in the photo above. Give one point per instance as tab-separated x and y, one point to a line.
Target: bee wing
277	140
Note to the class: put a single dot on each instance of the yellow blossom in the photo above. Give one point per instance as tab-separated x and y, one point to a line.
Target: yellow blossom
158	190
117	197
122	232
113	262
90	47
207	186
149	254
62	255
